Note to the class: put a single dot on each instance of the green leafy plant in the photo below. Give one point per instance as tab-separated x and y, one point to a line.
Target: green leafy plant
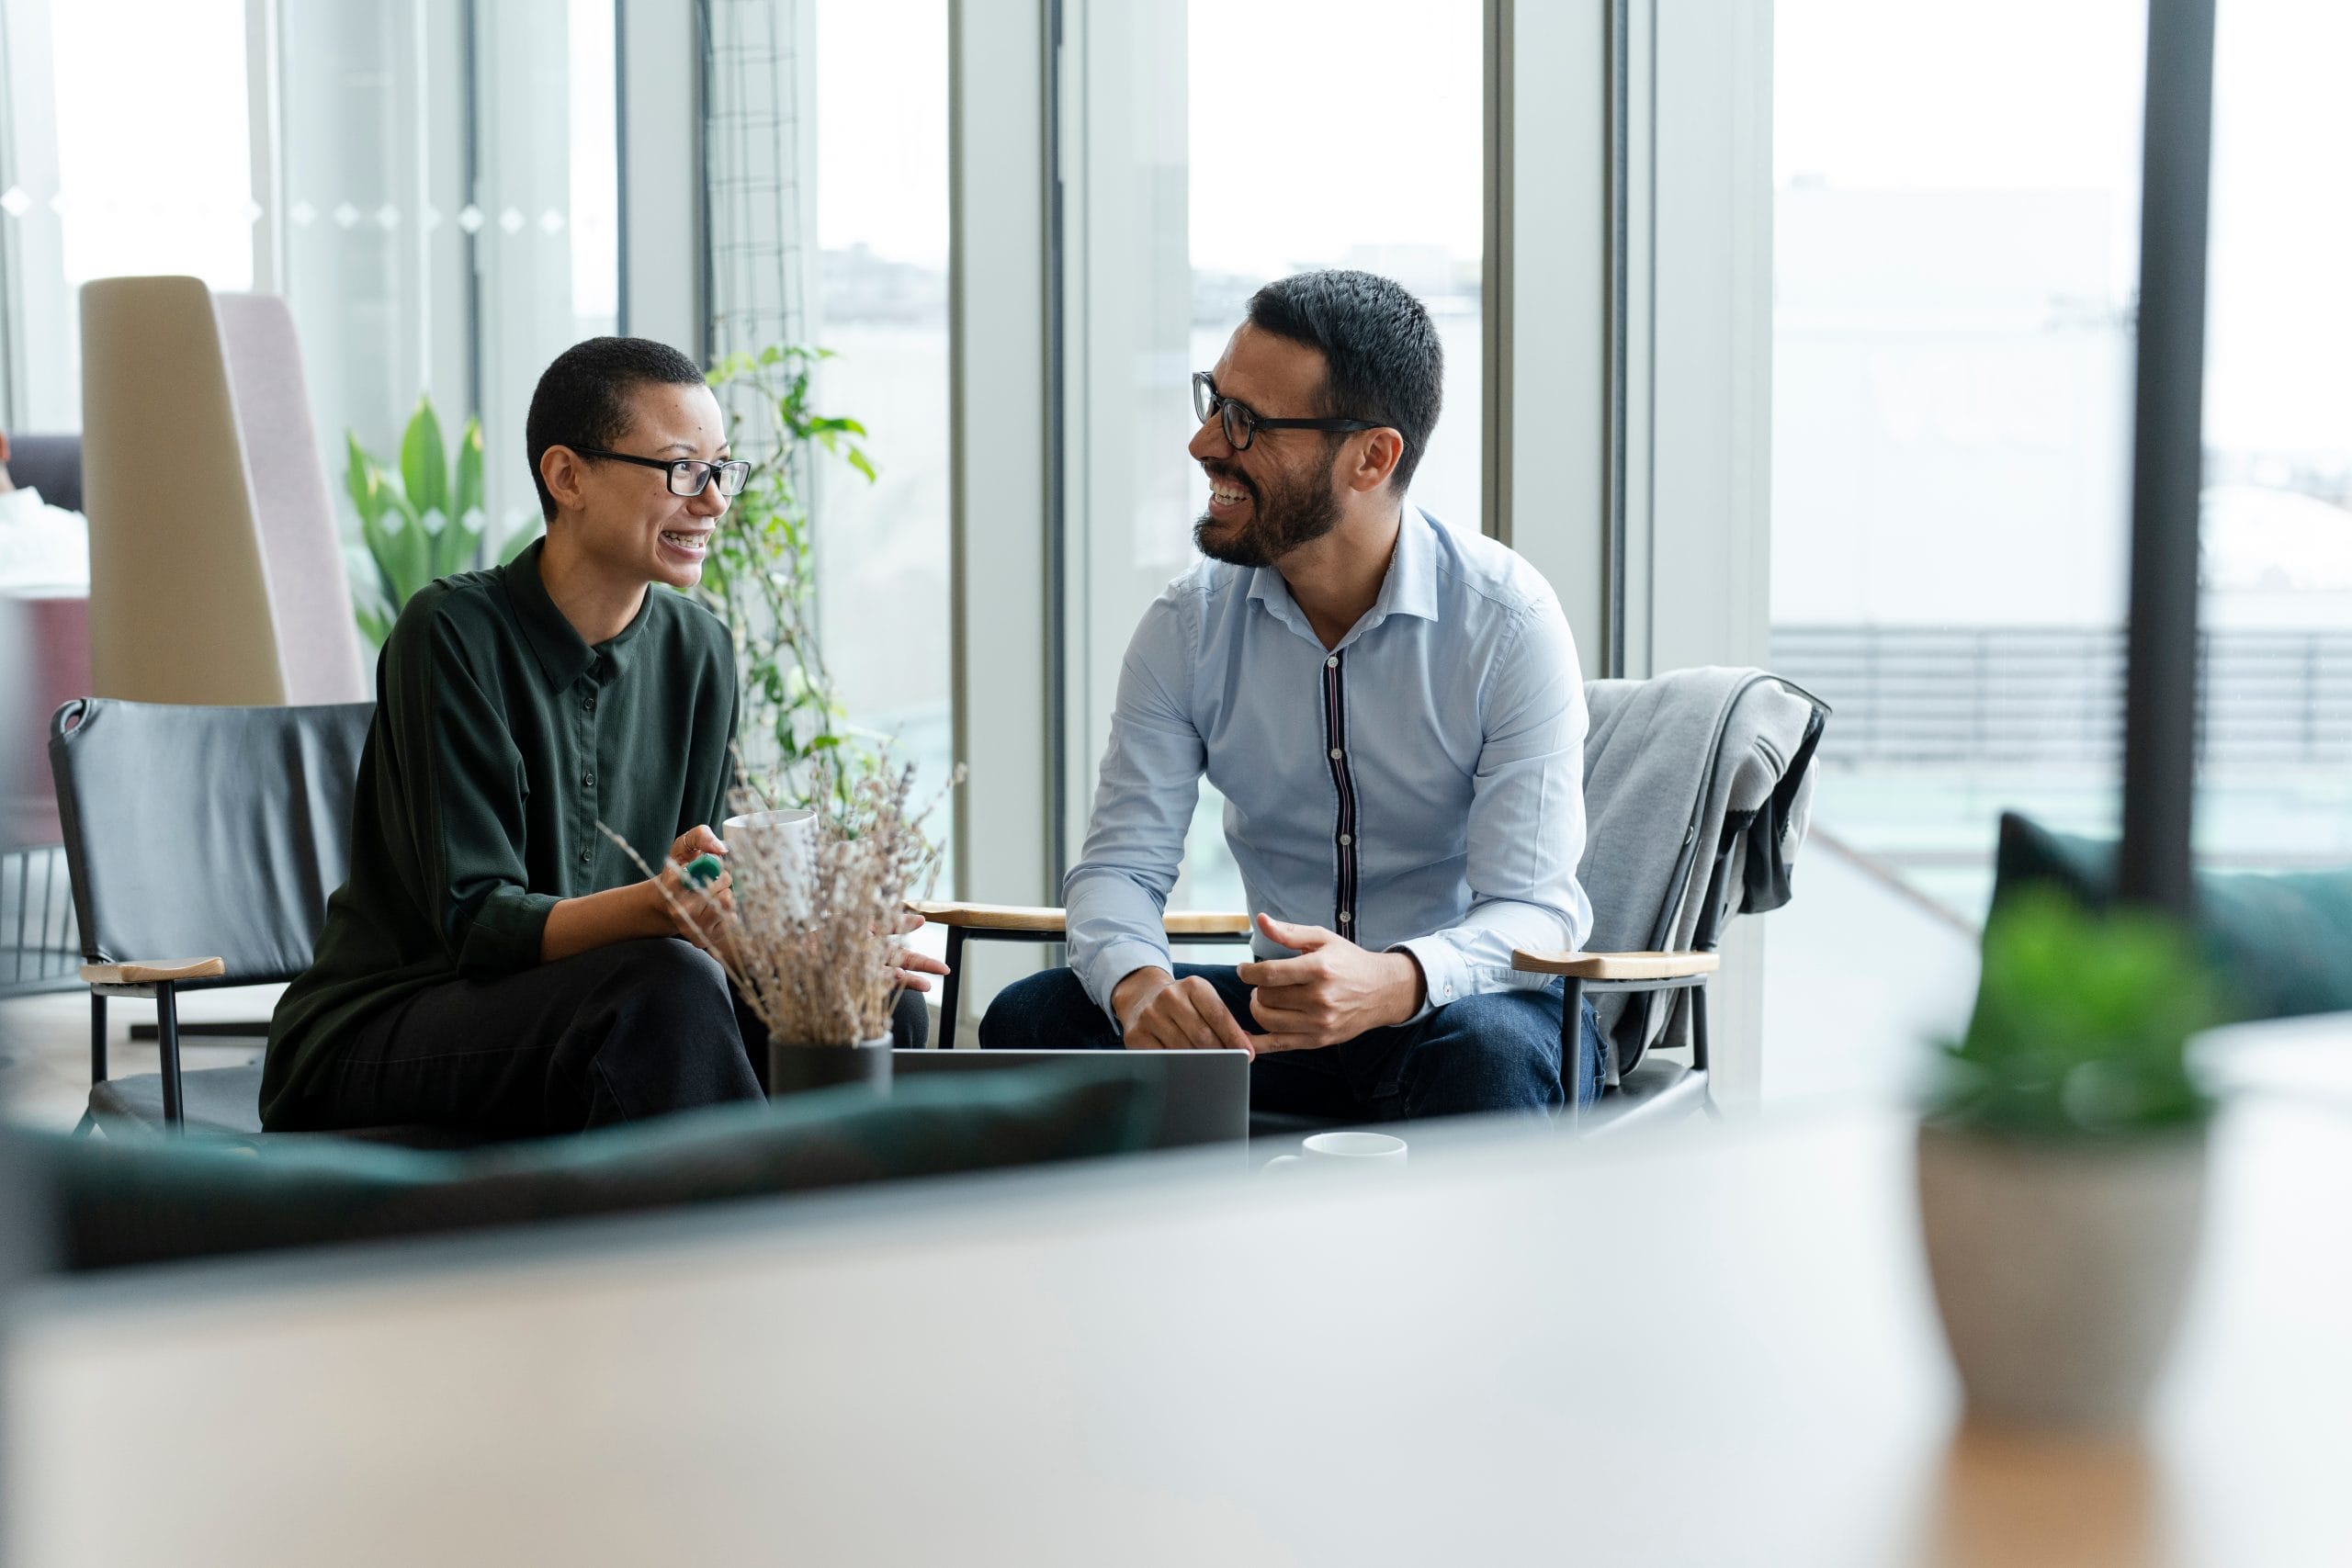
761	578
420	521
2082	1025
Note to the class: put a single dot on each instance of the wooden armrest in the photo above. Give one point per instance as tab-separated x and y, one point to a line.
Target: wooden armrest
1617	966
1048	920
154	973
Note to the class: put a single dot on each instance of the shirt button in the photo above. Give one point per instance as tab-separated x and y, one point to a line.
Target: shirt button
1343	917
1449	990
1346	838
1335	754
589	779
1332	662
584	857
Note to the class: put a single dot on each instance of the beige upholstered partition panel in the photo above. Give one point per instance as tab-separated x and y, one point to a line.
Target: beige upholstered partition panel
215	575
302	556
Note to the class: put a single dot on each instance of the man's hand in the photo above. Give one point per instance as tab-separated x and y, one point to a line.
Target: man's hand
698	915
911	965
1159	1013
1332	992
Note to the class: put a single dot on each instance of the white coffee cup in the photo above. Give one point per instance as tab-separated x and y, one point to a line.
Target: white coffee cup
799	821
1336	1151
785	847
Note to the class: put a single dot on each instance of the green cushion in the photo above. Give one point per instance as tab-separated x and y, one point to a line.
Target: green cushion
2282	941
119	1204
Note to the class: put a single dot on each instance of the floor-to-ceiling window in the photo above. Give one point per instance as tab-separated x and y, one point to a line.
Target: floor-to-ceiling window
2275	779
1213	145
432	184
450	191
1955	250
90	190
1955	271
881	308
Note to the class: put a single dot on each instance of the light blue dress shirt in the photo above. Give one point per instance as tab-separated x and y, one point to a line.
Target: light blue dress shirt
1418	788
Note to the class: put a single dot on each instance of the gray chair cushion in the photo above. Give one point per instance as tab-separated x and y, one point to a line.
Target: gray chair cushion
1660	1089
218	1100
225	1103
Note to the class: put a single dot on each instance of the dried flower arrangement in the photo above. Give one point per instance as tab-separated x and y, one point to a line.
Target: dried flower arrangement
811	923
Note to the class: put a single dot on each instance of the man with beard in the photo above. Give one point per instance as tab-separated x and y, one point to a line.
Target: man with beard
1394	714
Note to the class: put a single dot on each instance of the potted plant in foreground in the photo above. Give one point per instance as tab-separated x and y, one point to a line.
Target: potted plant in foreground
2062	1167
817	905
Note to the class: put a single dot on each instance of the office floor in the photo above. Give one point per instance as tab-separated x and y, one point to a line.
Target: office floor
45	1047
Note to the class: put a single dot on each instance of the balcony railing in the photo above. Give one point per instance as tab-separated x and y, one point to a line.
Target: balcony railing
2028	696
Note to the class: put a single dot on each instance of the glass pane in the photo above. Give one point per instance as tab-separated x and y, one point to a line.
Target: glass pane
881	178
2274	791
90	189
1208	162
439	248
1955	256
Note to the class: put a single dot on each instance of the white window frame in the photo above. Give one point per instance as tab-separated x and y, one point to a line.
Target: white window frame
1699	378
1005	686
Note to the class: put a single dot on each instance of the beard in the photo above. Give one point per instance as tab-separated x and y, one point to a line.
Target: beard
1296	510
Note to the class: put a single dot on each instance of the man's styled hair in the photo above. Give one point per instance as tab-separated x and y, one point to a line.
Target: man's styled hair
1383	358
582	398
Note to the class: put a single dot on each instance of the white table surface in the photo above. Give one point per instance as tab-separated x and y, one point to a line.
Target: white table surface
1709	1349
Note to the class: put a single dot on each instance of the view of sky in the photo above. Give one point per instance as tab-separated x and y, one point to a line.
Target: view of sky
2023	94
141	202
1312	120
1276	171
883	178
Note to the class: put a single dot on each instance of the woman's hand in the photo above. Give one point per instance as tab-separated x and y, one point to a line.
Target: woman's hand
697	913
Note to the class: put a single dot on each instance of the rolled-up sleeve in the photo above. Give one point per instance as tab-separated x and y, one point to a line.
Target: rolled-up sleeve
1151	780
1527	827
463	780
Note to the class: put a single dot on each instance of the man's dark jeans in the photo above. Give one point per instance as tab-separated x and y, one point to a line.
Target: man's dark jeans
1497	1051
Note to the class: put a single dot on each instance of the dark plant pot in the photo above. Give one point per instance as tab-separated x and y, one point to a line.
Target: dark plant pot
792	1068
2061	1268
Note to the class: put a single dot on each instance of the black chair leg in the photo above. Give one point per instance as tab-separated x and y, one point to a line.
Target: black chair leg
97	1037
951	990
1572	1046
1698	1053
168	1033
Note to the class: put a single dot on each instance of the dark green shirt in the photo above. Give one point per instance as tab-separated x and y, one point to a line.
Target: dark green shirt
500	740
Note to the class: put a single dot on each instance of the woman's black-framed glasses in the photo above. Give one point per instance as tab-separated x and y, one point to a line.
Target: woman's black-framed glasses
1243	423
688	476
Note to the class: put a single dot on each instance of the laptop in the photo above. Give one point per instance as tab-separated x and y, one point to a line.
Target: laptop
1204	1095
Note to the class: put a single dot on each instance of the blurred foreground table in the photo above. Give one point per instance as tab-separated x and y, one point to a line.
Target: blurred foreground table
1716	1349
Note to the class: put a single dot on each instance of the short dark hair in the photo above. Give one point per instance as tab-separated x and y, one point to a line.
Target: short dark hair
583	399
1382	355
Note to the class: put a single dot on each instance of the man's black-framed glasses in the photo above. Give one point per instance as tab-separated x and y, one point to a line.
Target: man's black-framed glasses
688	476
1243	423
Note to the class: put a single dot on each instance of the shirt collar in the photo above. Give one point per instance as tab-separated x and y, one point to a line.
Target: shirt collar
1408	589
561	654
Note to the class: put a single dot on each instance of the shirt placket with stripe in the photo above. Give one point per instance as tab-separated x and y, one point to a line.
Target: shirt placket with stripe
1335	732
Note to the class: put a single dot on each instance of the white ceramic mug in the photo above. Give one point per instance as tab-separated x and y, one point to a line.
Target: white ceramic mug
1334	1151
798	821
787	842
